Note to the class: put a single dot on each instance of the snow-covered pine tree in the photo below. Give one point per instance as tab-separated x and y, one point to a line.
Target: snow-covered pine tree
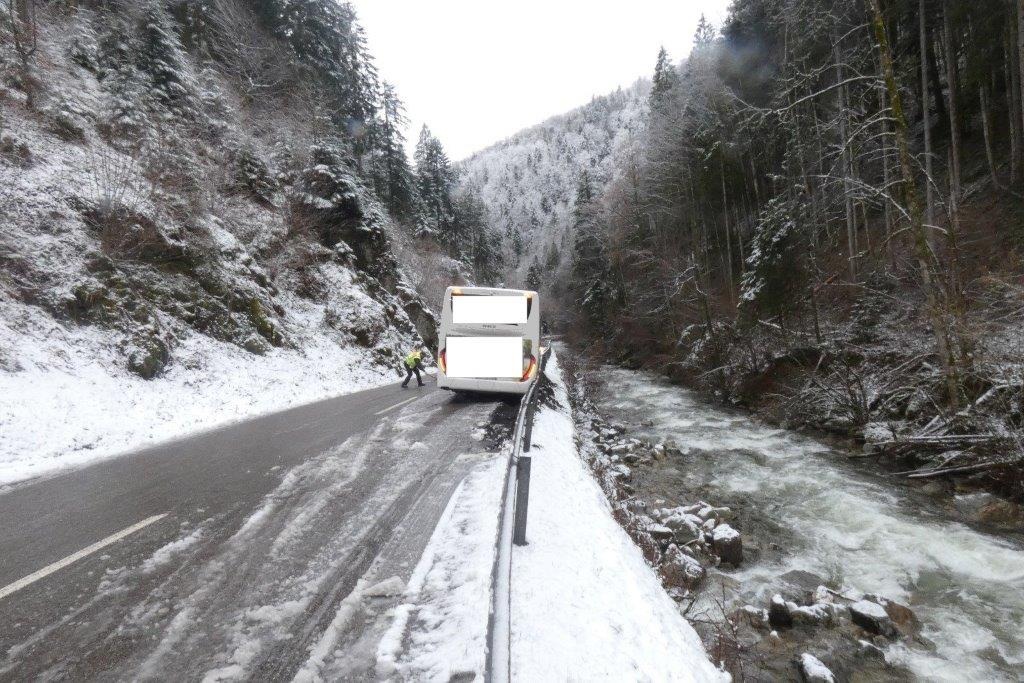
665	79
533	276
516	242
479	248
326	39
434	181
705	33
590	262
775	279
389	167
160	57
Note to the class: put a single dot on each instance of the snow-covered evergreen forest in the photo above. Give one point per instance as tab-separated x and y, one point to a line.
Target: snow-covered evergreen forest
816	213
527	183
191	190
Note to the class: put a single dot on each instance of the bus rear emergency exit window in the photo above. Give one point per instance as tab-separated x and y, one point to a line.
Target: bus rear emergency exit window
489	310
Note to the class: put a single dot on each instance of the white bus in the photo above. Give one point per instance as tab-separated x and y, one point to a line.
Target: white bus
489	340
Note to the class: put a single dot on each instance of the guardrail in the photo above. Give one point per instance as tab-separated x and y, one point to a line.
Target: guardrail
511	530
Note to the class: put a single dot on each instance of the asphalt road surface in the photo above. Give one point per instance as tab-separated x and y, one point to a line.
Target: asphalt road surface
226	555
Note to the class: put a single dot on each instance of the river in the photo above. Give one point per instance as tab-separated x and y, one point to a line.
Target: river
838	519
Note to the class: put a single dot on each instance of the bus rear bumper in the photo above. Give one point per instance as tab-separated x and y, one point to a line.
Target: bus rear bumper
489	386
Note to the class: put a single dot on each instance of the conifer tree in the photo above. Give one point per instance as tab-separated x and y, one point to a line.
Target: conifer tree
705	33
434	180
389	167
326	39
533	277
664	80
590	263
161	58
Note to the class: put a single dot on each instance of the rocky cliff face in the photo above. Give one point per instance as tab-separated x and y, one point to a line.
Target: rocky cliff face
149	194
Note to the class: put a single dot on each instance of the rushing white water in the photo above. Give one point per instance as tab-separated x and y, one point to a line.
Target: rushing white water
966	586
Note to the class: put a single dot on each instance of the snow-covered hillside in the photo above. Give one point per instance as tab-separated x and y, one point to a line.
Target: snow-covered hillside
528	182
174	252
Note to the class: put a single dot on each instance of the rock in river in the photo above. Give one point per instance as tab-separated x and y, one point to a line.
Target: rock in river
872	617
727	544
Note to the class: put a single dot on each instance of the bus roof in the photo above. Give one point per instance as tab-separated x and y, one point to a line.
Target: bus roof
492	291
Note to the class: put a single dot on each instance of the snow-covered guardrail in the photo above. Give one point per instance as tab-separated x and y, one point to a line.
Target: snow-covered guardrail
511	529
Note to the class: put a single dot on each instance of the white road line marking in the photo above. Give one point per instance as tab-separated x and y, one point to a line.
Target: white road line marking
60	564
408	400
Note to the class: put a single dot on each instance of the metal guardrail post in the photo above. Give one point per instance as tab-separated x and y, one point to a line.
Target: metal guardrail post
522	499
528	427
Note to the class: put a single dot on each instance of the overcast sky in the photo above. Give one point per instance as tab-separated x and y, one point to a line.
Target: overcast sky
477	71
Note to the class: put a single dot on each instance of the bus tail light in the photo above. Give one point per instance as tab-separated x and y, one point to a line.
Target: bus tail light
442	360
529	369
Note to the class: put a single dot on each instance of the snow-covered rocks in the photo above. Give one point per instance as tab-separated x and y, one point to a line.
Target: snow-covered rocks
872	617
680	572
727	544
820	623
660	532
814	671
699	525
779	615
874	614
686	526
811	614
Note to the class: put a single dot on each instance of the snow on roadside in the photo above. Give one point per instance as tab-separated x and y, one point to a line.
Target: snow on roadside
439	632
63	407
585	604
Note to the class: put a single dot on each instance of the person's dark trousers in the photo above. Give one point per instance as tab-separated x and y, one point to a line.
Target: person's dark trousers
408	375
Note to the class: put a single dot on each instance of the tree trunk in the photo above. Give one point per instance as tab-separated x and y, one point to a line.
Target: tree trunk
844	143
954	112
929	213
738	222
986	131
925	257
885	181
1012	98
953	236
1020	56
808	188
933	73
728	230
753	176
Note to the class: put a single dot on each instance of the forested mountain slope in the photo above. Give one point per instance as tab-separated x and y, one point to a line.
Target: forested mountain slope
196	194
527	183
817	214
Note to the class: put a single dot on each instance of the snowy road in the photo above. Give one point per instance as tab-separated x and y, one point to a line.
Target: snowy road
226	555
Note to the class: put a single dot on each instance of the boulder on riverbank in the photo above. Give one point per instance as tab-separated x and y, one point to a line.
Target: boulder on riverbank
727	544
679	571
813	670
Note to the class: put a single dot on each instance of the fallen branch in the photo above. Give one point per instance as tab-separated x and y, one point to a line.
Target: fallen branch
940	441
963	469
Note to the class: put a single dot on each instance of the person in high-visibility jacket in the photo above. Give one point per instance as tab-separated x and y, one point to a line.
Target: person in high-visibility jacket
413	363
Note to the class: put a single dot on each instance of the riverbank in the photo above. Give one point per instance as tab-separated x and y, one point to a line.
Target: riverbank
808	516
872	379
873	406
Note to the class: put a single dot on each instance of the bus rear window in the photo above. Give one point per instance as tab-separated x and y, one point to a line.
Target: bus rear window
493	310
